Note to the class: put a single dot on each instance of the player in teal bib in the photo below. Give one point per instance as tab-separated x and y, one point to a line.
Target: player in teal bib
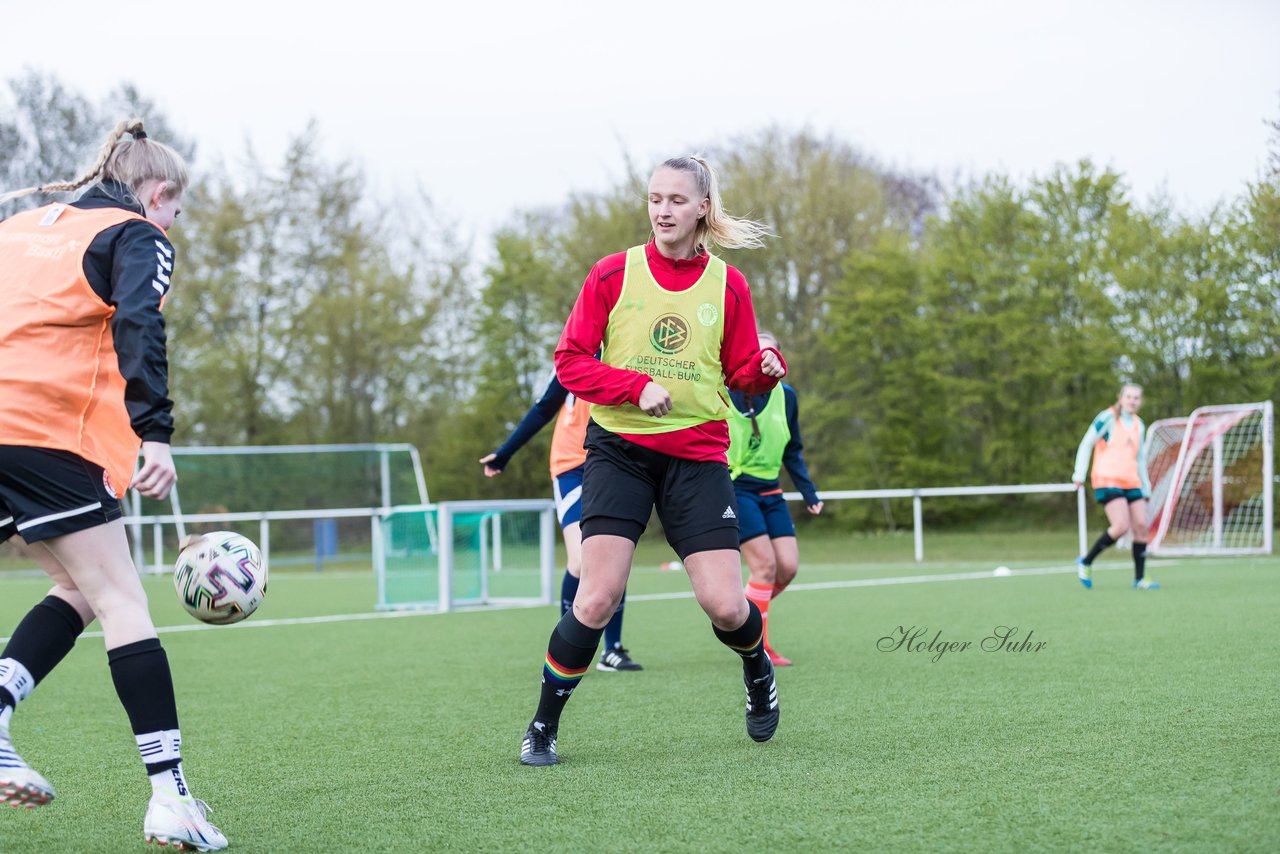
764	436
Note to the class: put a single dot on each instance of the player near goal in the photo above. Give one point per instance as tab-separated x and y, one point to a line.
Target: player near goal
568	457
764	436
676	325
1116	439
83	386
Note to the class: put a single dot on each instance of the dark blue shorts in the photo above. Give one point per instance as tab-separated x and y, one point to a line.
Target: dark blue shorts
763	514
568	491
1108	494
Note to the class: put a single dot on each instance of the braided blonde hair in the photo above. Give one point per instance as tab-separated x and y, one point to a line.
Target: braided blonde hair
717	226
132	162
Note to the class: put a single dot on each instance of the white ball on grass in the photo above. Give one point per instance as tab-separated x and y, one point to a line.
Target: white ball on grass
1002	571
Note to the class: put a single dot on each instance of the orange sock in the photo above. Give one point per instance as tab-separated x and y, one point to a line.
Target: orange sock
761	594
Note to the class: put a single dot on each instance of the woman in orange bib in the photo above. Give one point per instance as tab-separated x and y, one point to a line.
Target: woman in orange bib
1116	441
83	388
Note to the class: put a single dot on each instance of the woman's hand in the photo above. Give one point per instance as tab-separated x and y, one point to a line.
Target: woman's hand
654	400
157	475
490	471
771	365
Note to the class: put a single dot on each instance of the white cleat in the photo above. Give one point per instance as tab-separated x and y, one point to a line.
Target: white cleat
20	785
182	823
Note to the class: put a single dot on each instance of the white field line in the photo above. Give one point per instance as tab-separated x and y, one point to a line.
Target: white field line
643	597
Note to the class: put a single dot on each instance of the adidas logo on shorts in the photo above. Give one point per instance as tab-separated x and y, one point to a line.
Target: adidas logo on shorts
728	514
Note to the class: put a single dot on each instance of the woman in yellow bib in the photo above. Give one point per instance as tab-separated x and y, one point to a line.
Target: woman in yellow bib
1120	485
673	325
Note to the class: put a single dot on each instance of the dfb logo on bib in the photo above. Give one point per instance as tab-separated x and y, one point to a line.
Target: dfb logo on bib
670	334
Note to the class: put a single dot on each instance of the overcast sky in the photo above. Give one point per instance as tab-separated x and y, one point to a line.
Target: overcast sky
494	106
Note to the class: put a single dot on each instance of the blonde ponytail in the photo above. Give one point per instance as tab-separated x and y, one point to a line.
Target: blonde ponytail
131	161
718	227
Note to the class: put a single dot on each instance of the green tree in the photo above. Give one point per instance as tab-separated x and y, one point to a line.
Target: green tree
823	200
1249	253
876	418
298	319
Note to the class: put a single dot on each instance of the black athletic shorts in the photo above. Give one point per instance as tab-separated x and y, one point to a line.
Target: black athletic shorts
46	493
623	482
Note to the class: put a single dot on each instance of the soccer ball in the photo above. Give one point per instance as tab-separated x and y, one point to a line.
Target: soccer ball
220	577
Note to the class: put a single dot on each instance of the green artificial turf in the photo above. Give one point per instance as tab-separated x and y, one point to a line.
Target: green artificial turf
1145	722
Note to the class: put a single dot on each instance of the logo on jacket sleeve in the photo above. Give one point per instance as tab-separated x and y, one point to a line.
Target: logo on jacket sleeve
164	266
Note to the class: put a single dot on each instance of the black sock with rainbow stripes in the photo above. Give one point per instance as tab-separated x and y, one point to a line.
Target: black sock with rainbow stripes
748	641
569	655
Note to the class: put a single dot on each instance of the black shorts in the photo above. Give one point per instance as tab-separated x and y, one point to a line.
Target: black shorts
623	482
46	493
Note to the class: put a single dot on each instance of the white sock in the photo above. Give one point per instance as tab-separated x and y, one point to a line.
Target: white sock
5	714
163	746
160	746
171	782
16	679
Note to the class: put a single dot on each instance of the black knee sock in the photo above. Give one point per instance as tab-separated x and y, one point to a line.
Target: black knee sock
1139	560
1104	542
569	654
613	628
144	683
568	592
41	640
748	641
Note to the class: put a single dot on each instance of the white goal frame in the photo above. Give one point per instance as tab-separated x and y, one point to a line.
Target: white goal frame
384	451
1202	434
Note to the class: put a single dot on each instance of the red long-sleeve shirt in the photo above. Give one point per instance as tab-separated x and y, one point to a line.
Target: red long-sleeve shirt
592	380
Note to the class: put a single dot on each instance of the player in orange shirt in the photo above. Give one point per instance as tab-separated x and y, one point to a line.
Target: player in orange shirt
1116	441
83	387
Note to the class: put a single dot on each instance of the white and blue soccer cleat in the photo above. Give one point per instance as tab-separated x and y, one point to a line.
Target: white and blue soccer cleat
20	785
181	822
1146	584
1084	572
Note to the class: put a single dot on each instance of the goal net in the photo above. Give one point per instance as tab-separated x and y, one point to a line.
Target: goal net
486	553
1212	481
307	480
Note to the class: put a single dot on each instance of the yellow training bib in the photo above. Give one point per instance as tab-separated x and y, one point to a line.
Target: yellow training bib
674	337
